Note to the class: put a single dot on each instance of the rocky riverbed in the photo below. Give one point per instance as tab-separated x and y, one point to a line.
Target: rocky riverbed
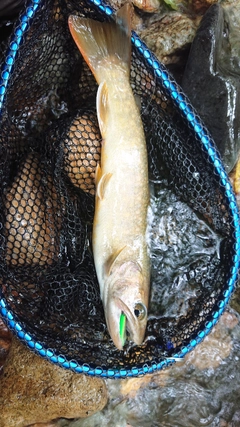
201	390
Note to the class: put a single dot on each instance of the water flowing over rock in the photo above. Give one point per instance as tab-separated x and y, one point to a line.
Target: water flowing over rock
201	390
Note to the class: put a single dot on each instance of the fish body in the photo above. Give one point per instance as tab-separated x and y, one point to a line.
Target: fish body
120	249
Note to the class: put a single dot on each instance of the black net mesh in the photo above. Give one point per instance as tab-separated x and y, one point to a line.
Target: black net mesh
50	146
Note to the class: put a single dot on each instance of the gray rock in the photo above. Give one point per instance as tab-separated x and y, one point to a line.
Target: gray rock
211	79
10	7
34	390
169	36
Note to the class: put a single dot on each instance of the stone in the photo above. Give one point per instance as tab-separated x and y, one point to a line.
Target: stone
201	6
211	79
5	343
130	387
34	390
10	7
51	424
148	6
169	36
218	344
235	300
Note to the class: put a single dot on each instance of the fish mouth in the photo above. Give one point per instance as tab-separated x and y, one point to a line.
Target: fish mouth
135	325
122	321
129	321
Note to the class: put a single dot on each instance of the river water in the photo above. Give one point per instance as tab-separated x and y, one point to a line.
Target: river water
201	390
204	388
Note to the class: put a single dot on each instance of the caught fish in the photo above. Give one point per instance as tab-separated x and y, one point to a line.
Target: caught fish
120	249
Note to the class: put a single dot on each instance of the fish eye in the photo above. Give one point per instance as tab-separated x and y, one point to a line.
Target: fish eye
140	311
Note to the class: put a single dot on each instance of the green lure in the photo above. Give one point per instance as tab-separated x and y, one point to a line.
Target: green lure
122	328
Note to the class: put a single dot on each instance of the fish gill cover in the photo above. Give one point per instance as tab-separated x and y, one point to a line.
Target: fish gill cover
50	146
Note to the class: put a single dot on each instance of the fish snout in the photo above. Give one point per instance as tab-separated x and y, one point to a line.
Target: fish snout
124	319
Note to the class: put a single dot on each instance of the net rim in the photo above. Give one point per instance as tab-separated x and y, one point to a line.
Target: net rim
183	105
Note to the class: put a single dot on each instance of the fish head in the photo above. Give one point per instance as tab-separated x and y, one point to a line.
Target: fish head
125	304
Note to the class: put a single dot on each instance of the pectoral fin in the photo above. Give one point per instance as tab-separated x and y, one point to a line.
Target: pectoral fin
101	182
98	174
112	261
102	107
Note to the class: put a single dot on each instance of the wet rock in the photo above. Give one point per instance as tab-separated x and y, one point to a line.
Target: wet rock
216	347
148	6
10	7
211	78
34	390
52	424
130	387
169	36
235	300
201	6
202	389
5	343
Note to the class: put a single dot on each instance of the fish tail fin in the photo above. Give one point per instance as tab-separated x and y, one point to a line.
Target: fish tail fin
98	41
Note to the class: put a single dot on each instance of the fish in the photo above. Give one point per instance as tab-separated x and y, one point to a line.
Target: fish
119	238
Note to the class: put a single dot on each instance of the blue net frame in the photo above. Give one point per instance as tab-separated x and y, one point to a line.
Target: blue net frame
184	107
